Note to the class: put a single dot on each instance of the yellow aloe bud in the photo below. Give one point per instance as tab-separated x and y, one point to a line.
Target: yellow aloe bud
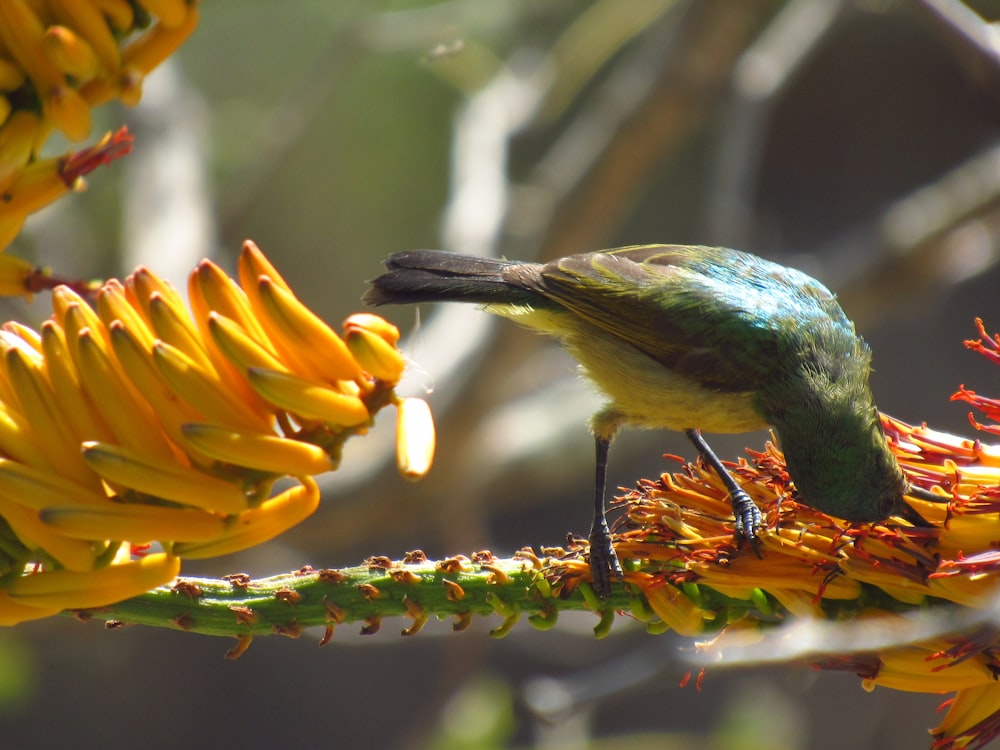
37	185
241	349
256	450
22	33
139	523
42	412
14	274
300	335
73	554
159	42
112	305
170	13
39	488
174	326
86	19
18	441
126	412
71	53
375	324
415	438
10	227
97	588
11	76
119	13
18	138
375	355
204	390
73	314
142	285
211	290
69	112
254	265
130	82
85	419
123	467
171	409
259	525
13	612
674	608
307	398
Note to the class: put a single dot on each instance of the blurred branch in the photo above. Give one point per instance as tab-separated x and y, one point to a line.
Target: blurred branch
975	42
760	77
693	76
167	212
944	232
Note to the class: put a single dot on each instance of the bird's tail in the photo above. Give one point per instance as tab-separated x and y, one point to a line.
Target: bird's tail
437	276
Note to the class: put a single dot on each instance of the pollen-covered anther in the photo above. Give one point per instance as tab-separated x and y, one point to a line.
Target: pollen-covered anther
186	589
242	644
497	576
415	557
328	575
327	635
245	616
185	622
456	564
528	554
404	577
417	614
288	629
369	592
453	591
334	614
288	596
239	581
372	625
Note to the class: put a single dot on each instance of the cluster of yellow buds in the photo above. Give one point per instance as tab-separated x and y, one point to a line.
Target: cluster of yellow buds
58	60
139	422
818	567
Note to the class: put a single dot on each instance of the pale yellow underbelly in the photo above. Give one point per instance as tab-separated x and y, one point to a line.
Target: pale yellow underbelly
646	393
649	395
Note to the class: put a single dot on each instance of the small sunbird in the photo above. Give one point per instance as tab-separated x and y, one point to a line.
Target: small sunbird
692	338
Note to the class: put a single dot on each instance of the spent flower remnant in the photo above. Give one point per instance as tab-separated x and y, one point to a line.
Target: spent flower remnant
58	60
816	566
140	422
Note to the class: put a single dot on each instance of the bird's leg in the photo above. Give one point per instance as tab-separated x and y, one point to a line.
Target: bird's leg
604	563
746	514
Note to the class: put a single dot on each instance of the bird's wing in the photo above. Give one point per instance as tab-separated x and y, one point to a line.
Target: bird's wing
661	300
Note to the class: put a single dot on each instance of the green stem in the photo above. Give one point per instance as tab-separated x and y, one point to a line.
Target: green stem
417	589
285	604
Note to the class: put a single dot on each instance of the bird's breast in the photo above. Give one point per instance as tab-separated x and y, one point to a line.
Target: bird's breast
652	396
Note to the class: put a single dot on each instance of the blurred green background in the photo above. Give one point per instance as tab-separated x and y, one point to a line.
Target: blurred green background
855	140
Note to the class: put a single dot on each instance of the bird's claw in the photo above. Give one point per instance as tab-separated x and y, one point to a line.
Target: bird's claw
749	521
604	564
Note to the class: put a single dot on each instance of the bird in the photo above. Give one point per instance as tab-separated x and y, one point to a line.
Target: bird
692	338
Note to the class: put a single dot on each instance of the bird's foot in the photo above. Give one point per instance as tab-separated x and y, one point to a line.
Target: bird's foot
604	564
749	521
